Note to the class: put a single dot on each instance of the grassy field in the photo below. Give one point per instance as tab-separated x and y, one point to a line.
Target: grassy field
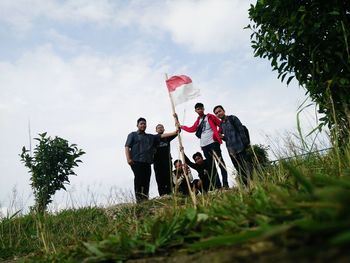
297	210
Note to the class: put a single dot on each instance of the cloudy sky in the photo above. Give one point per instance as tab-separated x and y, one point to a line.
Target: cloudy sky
85	70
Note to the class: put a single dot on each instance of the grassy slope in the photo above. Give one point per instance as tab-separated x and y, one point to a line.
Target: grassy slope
294	211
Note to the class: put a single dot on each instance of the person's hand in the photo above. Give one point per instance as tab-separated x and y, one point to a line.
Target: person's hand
178	129
177	123
221	136
130	162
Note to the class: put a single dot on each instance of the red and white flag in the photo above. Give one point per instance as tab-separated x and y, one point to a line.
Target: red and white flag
181	89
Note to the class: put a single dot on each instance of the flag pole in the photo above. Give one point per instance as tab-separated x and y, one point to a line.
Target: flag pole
193	198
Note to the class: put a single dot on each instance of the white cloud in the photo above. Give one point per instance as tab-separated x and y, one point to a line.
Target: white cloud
23	14
201	26
90	100
19	14
207	26
64	42
100	13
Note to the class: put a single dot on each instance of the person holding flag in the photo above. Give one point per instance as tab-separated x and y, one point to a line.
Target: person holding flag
139	152
162	163
206	126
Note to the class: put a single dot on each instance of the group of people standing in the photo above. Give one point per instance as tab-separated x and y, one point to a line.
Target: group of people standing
143	149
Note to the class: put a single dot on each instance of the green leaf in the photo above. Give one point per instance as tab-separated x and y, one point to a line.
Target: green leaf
300	177
334	13
341	238
93	249
289	79
242	237
201	217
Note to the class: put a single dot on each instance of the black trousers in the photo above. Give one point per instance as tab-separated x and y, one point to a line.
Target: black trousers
208	153
243	167
142	177
183	188
162	170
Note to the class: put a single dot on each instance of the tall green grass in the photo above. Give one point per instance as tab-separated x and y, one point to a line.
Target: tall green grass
297	208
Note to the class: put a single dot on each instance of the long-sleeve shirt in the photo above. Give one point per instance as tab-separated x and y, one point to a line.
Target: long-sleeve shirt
234	134
213	122
207	173
179	181
179	177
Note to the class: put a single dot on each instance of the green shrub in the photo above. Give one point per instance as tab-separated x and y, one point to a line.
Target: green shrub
50	167
309	40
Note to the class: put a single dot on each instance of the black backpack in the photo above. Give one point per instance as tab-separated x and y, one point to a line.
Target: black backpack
245	130
200	128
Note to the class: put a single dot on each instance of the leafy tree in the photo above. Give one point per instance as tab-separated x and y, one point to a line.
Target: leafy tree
257	155
50	167
309	40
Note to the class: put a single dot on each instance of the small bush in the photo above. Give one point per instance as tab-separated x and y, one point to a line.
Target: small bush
50	167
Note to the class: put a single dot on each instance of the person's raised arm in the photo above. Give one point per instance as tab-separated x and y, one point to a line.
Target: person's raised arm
193	128
189	163
170	134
